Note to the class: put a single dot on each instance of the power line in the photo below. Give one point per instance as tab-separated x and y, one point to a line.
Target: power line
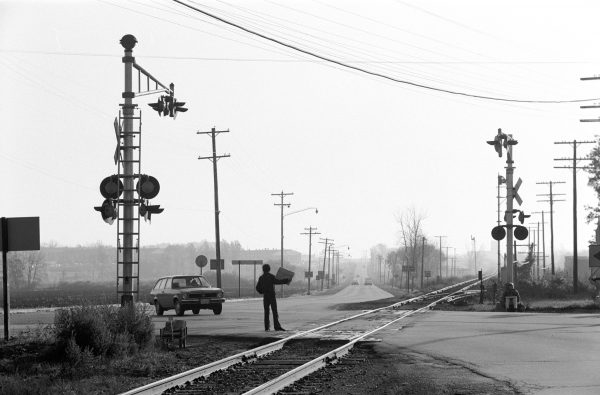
373	73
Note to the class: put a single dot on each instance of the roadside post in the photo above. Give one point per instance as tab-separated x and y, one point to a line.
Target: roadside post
17	234
480	276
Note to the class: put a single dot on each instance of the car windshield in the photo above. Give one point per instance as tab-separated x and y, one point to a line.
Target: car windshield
190	282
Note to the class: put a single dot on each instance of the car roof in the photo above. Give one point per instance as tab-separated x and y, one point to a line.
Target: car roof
182	275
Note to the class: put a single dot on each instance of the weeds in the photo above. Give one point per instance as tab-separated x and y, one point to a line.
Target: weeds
105	330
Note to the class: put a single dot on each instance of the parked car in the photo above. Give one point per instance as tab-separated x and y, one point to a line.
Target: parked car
354	282
368	281
186	292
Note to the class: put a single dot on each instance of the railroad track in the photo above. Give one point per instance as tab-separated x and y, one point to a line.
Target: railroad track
272	367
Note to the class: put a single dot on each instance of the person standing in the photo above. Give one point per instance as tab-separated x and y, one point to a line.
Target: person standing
266	287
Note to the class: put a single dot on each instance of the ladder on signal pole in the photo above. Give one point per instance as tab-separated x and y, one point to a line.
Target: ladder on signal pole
128	226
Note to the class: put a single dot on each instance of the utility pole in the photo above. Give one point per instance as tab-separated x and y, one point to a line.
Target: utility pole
551	200
447	260
501	180
214	158
282	195
474	253
440	272
329	267
379	257
422	260
574	167
454	263
324	241
311	231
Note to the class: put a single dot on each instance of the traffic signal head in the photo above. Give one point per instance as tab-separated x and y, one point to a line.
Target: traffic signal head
522	216
147	210
177	107
159	106
108	211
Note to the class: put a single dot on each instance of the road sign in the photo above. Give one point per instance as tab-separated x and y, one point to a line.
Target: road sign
516	191
405	268
308	274
23	234
412	268
427	273
201	261
595	256
246	262
213	264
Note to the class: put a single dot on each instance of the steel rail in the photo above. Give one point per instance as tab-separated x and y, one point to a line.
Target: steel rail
331	357
159	386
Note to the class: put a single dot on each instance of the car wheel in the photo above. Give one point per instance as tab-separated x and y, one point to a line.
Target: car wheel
217	309
196	310
179	308
158	308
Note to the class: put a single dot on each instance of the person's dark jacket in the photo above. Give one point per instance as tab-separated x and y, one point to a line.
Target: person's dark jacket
266	284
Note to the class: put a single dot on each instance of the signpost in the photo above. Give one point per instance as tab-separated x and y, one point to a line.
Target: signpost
308	274
201	261
245	262
16	234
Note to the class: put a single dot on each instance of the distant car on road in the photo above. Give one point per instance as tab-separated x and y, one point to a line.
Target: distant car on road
354	282
368	281
186	292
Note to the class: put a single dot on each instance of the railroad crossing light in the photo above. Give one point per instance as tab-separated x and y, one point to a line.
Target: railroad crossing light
521	232
111	187
108	211
498	233
501	180
159	106
177	107
147	186
147	210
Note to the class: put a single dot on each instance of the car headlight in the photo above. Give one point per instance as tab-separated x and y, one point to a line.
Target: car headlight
220	294
185	295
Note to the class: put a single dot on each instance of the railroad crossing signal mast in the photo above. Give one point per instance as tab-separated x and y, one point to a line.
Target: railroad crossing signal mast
502	140
127	194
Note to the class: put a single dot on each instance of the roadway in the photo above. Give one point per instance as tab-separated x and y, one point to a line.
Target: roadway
537	353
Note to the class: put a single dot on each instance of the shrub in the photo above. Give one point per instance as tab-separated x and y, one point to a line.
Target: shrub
103	330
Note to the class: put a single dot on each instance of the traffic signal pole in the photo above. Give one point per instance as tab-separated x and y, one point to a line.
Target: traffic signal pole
128	182
509	215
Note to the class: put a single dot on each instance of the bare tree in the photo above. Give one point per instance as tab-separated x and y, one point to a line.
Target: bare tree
411	232
34	266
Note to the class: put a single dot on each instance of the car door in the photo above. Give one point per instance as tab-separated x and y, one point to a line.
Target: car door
165	299
157	290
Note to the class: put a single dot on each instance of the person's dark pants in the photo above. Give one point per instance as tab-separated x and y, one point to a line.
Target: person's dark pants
269	300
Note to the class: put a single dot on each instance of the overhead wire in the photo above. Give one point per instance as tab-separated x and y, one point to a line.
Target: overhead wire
406	71
373	73
492	62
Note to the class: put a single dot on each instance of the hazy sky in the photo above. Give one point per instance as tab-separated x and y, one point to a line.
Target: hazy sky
358	147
